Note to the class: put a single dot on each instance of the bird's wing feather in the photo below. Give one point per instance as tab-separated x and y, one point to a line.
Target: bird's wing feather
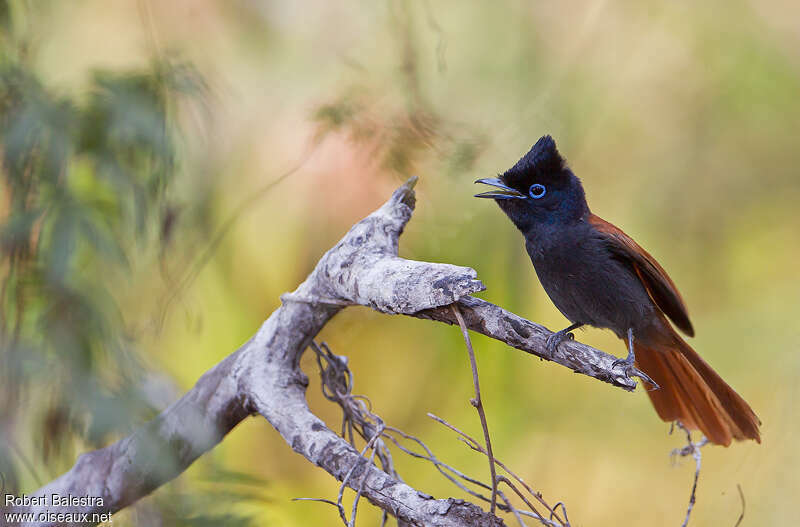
655	279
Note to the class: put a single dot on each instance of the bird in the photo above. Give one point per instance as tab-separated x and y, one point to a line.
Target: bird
598	276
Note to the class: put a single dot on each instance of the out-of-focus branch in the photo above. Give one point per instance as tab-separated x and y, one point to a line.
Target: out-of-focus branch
263	377
691	449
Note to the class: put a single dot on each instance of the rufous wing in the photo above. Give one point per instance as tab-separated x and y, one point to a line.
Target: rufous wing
655	279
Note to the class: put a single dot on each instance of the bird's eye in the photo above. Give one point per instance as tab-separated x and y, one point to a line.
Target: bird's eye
537	191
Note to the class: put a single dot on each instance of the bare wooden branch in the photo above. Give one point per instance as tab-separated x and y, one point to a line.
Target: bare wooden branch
495	322
263	377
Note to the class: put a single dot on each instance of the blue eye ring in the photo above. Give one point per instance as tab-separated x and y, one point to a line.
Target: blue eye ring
537	191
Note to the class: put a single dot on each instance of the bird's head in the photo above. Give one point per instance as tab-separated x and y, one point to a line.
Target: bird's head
539	188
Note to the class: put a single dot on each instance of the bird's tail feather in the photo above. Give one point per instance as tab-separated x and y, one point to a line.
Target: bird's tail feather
693	393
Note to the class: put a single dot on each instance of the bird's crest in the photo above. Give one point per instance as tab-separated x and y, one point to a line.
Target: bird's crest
541	161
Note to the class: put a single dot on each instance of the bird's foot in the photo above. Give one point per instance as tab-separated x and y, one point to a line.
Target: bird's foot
557	338
630	371
627	363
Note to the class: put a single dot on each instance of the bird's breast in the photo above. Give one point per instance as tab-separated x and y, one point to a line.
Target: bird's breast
585	282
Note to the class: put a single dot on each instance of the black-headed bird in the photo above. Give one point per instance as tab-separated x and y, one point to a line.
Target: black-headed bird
596	275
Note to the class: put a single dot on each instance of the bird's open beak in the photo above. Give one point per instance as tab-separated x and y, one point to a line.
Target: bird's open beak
505	191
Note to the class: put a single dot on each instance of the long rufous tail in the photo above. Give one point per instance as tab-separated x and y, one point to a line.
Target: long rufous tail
692	392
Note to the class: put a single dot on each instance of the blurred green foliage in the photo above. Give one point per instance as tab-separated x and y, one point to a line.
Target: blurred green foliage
85	181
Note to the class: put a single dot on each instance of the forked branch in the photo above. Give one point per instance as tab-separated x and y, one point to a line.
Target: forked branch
263	377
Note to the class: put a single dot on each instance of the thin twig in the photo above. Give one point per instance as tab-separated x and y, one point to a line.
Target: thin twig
442	467
563	508
505	506
473	444
513	509
503	479
741	495
337	384
692	449
346	478
320	500
363	481
478	404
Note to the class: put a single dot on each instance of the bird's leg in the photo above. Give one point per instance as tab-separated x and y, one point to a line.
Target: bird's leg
627	361
556	338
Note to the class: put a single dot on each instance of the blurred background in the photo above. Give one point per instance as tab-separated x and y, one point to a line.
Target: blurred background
170	168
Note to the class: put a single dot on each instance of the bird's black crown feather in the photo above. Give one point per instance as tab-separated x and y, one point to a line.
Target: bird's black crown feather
542	160
543	157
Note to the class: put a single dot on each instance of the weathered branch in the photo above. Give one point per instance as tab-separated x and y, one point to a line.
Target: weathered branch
263	377
495	322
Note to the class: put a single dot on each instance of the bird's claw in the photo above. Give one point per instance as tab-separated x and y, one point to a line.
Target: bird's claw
630	371
554	339
626	363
